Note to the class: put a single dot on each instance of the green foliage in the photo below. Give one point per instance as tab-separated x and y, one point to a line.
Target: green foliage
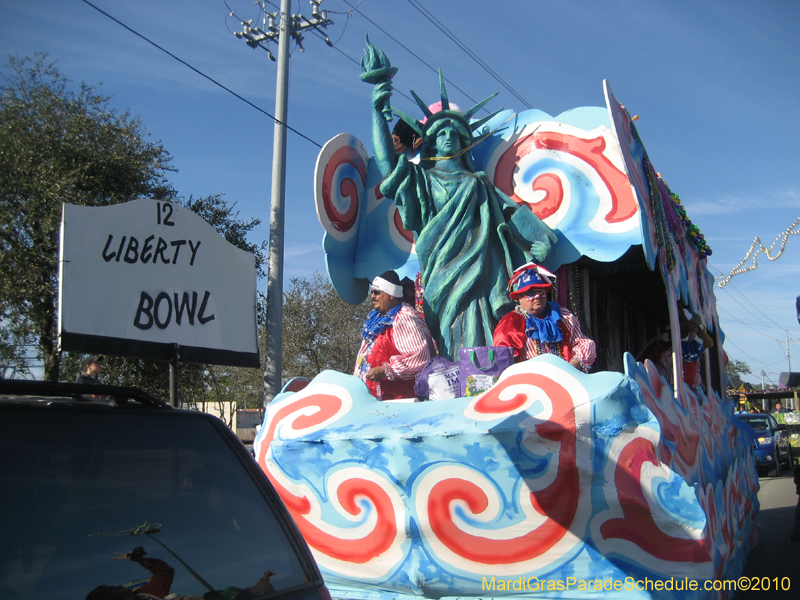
735	369
14	344
320	330
58	144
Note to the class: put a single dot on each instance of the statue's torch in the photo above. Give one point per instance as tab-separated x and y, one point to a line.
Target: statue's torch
376	68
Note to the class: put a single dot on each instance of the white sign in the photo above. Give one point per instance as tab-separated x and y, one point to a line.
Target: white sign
139	277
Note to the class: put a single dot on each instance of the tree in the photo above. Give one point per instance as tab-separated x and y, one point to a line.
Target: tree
320	330
14	344
59	145
735	369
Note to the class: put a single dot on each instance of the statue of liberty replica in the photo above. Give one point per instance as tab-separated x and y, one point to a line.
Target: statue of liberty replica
470	236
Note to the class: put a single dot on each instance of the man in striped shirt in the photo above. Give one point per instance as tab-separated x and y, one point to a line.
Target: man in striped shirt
396	342
537	326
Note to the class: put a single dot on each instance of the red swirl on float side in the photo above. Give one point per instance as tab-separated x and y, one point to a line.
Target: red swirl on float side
504	178
360	550
623	203
328	406
396	218
553	190
708	506
558	501
637	525
491	403
379	540
348	188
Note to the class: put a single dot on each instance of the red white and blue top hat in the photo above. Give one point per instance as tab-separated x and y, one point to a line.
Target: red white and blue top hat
528	277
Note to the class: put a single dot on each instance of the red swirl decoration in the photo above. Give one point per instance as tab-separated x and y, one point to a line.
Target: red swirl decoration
397	220
491	403
328	405
591	151
637	526
347	188
360	550
558	501
398	223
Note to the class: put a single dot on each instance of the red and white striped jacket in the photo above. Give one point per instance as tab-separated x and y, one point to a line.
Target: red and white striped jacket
403	349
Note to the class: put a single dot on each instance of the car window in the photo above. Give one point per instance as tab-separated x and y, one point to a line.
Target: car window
78	488
759	424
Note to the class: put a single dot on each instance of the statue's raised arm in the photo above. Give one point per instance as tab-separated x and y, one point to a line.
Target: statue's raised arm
376	69
470	236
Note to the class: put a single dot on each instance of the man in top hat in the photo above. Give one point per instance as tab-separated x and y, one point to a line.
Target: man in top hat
537	326
396	342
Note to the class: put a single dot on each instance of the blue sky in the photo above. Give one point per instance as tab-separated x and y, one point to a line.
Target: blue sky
716	85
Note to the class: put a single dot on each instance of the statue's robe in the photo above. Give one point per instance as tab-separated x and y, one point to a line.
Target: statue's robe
470	238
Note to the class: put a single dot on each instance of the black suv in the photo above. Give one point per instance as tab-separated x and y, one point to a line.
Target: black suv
126	497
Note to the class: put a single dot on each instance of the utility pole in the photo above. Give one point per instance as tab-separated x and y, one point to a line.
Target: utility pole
289	27
788	356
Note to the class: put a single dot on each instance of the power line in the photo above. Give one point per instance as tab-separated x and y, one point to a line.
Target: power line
762	304
183	62
752	326
753	306
748	325
411	52
727	341
428	15
343	53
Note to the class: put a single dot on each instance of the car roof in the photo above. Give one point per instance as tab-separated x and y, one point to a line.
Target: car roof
20	391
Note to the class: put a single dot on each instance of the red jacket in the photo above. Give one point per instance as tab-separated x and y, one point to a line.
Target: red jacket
410	333
510	331
382	350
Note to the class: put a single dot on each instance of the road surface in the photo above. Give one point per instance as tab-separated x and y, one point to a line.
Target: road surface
774	554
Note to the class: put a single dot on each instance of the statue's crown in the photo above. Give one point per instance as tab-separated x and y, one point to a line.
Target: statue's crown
445	113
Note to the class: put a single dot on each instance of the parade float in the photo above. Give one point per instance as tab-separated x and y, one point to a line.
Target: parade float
553	483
